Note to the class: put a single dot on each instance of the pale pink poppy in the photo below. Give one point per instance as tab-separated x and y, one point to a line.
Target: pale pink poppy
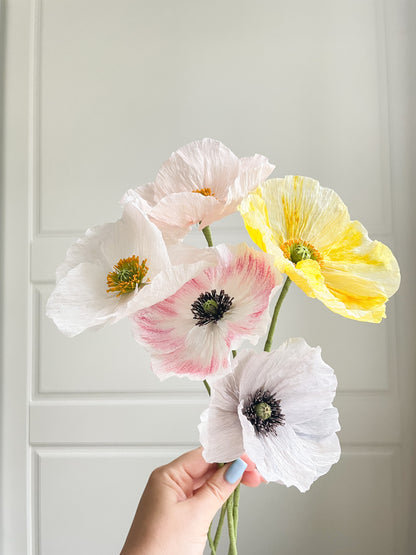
200	183
192	332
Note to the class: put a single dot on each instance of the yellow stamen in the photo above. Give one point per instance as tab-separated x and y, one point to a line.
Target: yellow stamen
298	249
206	192
128	274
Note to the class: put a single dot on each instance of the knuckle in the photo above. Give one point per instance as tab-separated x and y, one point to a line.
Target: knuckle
215	490
157	474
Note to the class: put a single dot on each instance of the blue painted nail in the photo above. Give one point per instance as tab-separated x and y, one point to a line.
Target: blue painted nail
235	471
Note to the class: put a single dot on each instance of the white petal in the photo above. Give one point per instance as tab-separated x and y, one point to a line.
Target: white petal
86	249
288	459
198	165
184	209
254	170
134	234
199	355
320	426
220	429
295	374
143	197
79	301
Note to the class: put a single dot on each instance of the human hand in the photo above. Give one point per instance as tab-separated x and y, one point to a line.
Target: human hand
180	501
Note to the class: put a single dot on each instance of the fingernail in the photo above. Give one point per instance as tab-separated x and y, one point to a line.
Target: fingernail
235	471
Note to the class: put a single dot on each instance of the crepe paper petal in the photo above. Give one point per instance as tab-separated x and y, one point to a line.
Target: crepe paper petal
192	332
117	269
291	439
308	230
200	183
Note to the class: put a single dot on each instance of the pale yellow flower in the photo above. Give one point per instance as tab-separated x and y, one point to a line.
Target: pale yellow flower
308	229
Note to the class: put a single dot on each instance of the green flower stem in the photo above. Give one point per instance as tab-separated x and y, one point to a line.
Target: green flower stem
269	340
235	509
220	525
207	234
207	387
211	543
231	531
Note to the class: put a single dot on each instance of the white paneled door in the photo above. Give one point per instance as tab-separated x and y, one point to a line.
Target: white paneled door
95	96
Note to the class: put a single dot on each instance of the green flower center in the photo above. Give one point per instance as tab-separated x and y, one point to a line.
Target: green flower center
127	275
263	410
297	250
210	306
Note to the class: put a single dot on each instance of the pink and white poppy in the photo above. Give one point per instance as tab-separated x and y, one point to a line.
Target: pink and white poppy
277	408
200	183
192	332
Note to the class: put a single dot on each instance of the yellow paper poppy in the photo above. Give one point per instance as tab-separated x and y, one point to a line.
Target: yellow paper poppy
308	229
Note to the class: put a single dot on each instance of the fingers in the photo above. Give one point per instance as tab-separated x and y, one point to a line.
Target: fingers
213	494
252	477
193	464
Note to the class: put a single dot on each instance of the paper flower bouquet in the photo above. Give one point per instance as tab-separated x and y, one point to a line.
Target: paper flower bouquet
193	309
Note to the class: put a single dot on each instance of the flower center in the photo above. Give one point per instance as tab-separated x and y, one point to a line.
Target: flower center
297	249
128	274
263	411
205	192
211	306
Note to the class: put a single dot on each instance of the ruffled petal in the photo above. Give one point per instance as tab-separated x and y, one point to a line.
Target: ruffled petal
86	249
293	448
81	298
320	426
220	430
204	164
295	373
79	301
201	354
287	458
200	183
303	209
184	210
179	343
134	234
352	275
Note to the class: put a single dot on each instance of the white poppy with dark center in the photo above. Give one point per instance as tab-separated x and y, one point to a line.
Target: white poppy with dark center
277	408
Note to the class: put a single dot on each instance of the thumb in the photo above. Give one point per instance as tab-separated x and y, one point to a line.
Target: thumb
217	489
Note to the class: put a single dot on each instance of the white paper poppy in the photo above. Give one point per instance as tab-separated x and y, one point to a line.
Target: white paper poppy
200	183
117	269
193	332
277	408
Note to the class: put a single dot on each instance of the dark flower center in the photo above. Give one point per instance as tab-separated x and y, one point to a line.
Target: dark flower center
263	411
211	306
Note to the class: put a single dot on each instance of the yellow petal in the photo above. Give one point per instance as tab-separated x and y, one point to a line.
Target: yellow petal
355	258
307	275
299	208
354	276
